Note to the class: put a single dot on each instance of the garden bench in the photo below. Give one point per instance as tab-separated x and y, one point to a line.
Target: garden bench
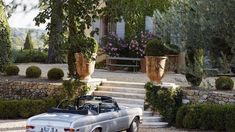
110	63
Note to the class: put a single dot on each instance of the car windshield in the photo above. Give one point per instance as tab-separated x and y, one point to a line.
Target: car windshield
87	104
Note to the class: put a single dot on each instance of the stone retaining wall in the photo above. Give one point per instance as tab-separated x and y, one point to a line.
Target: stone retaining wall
199	96
29	90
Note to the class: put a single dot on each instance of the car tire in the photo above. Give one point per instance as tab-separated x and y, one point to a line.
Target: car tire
97	130
134	125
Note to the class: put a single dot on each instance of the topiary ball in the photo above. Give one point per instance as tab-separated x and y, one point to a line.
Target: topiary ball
55	74
12	70
33	72
224	83
155	47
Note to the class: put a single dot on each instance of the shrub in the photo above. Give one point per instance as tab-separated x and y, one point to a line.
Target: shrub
164	100
224	83
207	117
55	74
12	70
33	72
156	47
172	49
15	109
26	56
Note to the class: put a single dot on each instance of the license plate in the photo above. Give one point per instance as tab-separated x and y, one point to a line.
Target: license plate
48	129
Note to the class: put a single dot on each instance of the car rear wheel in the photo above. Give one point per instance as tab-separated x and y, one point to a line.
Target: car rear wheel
96	130
134	126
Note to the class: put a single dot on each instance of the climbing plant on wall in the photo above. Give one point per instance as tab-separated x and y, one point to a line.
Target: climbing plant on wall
133	12
5	44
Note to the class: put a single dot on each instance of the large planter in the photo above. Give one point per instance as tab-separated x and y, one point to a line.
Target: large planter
84	67
155	68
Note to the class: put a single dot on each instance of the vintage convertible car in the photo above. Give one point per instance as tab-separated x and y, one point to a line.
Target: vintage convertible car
87	114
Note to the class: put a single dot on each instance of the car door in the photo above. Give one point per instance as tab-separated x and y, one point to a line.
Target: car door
123	119
108	117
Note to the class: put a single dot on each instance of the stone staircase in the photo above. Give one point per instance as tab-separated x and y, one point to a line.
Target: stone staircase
131	95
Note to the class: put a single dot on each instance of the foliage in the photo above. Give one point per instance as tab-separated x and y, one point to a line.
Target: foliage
12	70
194	63
5	43
26	56
33	72
199	24
114	46
156	47
55	74
133	12
54	8
15	109
28	45
224	83
74	88
164	100
206	117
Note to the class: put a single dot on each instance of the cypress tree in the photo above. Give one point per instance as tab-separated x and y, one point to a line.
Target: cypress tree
28	45
5	43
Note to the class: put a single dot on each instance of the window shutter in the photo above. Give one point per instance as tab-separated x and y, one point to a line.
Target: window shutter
121	29
149	24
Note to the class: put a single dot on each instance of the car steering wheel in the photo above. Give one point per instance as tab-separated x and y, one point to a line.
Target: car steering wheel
87	106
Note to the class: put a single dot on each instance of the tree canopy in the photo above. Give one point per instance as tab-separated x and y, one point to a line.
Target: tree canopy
5	43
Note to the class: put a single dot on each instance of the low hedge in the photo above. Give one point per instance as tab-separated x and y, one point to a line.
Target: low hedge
15	109
207	117
26	56
166	101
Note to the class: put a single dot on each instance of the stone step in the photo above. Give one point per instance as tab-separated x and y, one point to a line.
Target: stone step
147	113
121	89
129	101
123	84
130	105
154	124
119	94
151	119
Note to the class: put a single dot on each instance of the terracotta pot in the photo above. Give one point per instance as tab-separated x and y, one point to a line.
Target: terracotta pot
143	65
155	68
172	63
84	68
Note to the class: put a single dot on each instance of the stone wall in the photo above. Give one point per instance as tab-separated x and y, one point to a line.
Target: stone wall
199	96
29	90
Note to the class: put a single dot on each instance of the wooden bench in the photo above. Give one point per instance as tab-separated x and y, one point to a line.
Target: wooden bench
110	64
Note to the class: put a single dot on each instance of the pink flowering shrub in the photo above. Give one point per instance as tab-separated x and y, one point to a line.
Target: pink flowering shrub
116	47
138	44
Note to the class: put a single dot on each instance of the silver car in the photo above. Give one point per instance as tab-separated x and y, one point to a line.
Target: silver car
87	114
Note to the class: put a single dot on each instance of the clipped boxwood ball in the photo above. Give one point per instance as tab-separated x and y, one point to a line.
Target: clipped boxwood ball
55	74
12	70
224	83
33	72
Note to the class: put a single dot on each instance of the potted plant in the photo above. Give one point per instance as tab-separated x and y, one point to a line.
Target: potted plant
155	55
85	57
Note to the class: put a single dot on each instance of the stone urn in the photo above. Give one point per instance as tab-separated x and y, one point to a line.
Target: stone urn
155	68
84	67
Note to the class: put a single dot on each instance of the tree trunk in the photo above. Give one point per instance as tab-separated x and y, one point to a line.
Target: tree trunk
55	52
5	43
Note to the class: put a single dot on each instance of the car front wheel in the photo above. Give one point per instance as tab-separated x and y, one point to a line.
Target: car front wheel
134	126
